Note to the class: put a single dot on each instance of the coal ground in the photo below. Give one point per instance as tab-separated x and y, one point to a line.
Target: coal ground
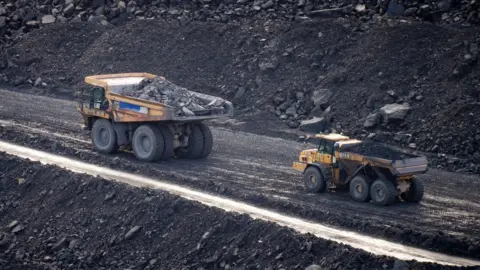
257	170
55	219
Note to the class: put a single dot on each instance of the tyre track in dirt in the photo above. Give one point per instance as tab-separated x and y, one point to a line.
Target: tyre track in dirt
257	169
88	222
372	245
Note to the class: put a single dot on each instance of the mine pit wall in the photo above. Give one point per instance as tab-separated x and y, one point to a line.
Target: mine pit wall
255	70
54	218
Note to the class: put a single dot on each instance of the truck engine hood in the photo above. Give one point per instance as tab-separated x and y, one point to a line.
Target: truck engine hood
307	155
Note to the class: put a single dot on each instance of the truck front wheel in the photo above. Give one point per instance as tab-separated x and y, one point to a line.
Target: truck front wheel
314	180
104	138
148	143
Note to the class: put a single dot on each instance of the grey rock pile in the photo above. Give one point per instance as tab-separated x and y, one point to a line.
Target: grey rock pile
185	102
20	16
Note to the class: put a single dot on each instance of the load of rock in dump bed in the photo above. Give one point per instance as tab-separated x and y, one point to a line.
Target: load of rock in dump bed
186	103
377	150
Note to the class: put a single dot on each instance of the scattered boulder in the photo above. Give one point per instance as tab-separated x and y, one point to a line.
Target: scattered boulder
268	64
47	19
18	228
394	112
240	93
315	125
293	124
279	99
321	97
69	10
410	12
60	244
314	267
132	232
372	120
444	5
12	224
38	82
291	111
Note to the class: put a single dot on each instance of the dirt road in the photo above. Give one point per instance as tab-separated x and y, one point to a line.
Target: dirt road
369	244
86	222
256	169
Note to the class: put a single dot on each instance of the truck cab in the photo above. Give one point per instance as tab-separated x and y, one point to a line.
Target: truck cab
324	153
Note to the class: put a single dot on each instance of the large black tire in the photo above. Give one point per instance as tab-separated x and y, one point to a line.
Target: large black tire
104	137
360	188
314	180
383	192
148	143
168	142
415	193
207	140
195	144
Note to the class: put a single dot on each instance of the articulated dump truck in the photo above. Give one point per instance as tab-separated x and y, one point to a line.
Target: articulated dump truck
144	112
371	171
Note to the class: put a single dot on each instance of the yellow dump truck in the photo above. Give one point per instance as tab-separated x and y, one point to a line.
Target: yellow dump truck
153	130
371	171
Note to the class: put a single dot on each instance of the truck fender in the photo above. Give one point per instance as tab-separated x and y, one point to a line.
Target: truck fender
355	173
316	165
325	172
121	130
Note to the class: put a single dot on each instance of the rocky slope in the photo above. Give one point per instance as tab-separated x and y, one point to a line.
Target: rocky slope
17	16
89	223
323	73
363	72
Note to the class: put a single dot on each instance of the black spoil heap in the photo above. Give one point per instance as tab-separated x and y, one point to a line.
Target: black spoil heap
377	150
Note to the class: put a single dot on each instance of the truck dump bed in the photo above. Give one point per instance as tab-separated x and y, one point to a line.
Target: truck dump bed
380	155
147	97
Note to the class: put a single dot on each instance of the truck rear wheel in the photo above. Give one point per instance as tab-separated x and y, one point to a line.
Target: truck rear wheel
167	142
360	189
314	180
148	143
383	192
104	138
195	144
415	193
207	140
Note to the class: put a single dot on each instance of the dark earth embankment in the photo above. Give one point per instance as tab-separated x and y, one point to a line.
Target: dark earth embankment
406	83
54	219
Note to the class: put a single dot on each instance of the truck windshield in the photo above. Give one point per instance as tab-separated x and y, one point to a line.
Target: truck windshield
329	147
326	147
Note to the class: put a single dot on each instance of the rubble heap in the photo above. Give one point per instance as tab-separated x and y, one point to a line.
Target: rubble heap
186	102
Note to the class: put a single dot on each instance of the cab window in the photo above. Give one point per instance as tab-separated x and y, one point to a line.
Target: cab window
97	98
329	147
326	147
321	146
